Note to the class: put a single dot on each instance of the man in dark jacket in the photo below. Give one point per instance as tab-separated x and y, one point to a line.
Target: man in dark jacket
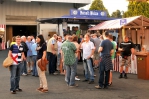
23	43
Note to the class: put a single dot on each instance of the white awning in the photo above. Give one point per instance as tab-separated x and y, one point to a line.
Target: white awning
137	21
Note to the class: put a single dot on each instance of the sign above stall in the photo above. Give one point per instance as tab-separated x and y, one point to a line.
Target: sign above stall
91	13
123	21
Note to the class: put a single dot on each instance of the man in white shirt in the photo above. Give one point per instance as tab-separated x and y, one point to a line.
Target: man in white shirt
88	50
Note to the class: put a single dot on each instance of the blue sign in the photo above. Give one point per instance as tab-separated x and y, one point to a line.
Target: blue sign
93	13
123	21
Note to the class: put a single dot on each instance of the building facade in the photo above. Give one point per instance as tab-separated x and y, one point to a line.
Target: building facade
16	13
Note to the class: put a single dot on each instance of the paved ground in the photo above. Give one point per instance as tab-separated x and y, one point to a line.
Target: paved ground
131	88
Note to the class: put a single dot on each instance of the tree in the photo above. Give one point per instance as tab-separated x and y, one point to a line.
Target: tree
98	5
116	14
136	8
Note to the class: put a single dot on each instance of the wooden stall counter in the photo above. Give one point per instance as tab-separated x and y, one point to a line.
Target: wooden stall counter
143	65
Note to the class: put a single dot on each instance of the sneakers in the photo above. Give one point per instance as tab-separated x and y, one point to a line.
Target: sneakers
13	92
90	82
55	73
24	74
75	85
77	79
19	90
98	87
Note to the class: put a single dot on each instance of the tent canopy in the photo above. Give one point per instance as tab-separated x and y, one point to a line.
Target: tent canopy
74	19
132	22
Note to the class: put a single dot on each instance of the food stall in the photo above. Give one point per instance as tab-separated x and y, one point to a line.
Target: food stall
137	29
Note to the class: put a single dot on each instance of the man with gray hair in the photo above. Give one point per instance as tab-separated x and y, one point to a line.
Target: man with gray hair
29	54
23	43
52	49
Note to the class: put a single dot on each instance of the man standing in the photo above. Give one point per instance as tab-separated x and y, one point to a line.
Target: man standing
88	50
23	43
96	54
126	48
52	48
68	51
33	39
106	49
29	54
16	51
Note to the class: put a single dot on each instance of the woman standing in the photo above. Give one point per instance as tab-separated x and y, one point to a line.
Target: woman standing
41	54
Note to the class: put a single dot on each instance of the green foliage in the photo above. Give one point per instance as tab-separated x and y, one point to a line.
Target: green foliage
98	5
116	14
136	8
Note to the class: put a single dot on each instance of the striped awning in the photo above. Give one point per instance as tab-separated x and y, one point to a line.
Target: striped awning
2	27
114	24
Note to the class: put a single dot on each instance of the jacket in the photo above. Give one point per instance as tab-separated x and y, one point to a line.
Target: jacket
42	64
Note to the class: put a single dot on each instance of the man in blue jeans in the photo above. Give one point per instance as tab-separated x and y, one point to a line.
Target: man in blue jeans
16	51
69	58
88	51
34	58
106	50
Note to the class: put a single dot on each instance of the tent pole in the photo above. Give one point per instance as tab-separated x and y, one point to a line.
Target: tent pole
58	27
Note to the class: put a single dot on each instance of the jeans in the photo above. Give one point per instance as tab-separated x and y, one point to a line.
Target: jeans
101	78
70	74
24	68
52	62
88	69
15	71
58	59
34	58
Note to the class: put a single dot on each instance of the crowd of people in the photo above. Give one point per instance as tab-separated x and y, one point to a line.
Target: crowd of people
96	51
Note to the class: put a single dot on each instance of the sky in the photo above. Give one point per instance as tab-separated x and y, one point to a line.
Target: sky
113	5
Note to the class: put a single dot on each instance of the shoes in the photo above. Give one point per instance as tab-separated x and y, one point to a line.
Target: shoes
110	84
19	90
94	75
121	76
44	90
75	85
125	76
98	87
85	80
105	87
55	73
13	92
24	74
77	79
90	82
39	89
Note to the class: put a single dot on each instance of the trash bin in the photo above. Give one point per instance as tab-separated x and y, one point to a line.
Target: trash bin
143	65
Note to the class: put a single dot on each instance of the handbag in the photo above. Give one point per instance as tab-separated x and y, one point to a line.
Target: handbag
7	62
